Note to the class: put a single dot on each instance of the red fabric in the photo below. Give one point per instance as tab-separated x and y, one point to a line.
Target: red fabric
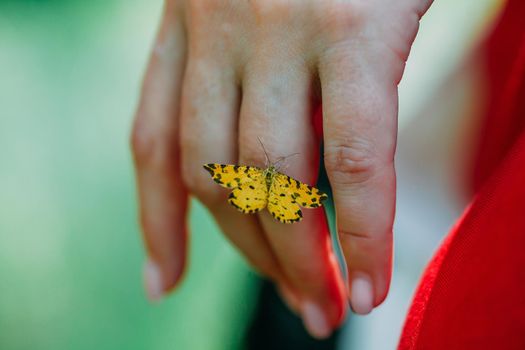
472	294
505	63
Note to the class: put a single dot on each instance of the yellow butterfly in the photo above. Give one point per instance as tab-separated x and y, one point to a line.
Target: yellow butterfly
255	189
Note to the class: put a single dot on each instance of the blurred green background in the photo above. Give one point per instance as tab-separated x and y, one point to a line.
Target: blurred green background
70	250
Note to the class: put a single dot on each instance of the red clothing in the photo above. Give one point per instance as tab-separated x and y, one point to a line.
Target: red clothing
472	294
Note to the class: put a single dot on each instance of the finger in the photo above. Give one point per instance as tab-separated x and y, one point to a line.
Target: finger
276	108
162	196
209	118
360	126
289	298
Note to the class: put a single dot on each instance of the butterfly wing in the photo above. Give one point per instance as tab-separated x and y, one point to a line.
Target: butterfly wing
249	193
287	195
281	204
283	208
232	176
305	195
250	197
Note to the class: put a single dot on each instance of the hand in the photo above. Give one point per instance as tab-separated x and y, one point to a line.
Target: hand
224	73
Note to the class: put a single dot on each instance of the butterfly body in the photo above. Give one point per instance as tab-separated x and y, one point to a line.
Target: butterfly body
255	188
269	173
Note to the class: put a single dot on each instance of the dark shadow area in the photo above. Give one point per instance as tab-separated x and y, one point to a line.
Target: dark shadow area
275	327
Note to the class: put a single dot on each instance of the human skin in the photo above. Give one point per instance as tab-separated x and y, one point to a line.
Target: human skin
222	74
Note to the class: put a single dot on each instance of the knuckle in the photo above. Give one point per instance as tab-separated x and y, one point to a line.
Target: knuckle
351	237
203	8
203	13
199	183
252	153
252	159
351	162
352	234
344	18
142	141
150	147
191	178
270	8
173	7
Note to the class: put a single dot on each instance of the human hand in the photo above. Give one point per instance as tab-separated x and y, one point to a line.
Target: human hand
223	74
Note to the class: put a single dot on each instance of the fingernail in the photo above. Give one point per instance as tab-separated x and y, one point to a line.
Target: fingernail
362	294
315	320
153	281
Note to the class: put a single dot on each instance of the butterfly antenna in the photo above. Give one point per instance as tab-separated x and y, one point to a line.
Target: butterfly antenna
282	159
291	155
264	150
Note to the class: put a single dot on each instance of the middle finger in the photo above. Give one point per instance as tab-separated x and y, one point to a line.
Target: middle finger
277	108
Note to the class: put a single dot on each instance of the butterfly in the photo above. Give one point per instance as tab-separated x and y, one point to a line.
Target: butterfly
255	188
